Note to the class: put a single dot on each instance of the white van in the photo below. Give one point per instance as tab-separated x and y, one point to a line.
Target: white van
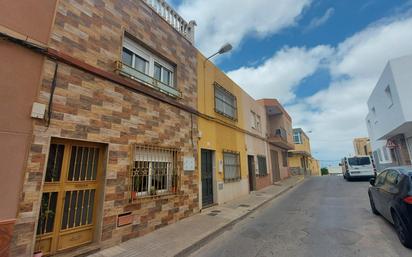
357	167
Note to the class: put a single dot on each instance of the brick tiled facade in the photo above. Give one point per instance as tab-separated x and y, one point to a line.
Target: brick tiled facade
90	108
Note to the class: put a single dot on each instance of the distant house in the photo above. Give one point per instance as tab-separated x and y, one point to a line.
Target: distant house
301	160
362	146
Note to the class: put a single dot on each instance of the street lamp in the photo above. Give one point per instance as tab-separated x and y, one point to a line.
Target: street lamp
224	49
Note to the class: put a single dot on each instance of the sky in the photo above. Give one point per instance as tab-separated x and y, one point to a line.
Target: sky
319	58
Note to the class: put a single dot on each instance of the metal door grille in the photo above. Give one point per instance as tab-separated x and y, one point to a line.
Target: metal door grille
68	204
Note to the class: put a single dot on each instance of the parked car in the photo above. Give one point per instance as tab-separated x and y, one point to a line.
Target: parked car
390	195
357	167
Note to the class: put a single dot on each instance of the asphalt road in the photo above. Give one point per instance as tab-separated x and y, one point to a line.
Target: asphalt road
324	216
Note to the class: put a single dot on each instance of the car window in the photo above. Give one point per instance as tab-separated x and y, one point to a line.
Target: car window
381	178
392	177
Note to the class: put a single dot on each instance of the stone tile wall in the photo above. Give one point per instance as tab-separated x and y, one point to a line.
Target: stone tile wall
87	107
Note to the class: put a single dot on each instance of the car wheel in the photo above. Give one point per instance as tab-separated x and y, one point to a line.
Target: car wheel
374	210
404	235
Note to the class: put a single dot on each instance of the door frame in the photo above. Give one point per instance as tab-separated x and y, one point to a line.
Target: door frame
99	193
274	159
251	165
214	187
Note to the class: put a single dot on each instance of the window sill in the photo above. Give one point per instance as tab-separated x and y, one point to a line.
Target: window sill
225	115
146	198
234	180
136	75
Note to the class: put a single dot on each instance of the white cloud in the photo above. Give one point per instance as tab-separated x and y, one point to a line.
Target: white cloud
319	21
231	21
336	114
278	76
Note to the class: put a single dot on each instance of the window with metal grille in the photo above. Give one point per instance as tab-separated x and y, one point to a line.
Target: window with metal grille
154	171
231	166
225	102
263	171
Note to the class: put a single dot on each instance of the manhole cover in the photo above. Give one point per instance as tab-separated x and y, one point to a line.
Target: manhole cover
244	205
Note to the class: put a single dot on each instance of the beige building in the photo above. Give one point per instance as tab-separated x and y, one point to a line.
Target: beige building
362	146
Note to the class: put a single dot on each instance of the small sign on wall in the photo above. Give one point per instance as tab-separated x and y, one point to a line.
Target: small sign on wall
220	166
188	163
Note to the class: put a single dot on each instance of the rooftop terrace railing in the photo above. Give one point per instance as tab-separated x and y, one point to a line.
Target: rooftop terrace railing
187	29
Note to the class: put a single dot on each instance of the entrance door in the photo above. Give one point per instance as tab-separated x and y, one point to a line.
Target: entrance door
252	175
69	199
275	165
207	177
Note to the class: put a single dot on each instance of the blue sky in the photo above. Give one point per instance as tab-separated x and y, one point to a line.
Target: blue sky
320	58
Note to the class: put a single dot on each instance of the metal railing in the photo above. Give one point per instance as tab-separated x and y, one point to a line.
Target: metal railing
281	132
131	72
154	171
187	29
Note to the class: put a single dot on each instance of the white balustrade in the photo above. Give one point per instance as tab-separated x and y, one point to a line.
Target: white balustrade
173	18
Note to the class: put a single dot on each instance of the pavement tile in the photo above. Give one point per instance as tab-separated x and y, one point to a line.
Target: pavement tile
184	236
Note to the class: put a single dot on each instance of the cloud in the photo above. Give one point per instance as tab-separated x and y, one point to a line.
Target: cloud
232	20
336	114
278	76
319	21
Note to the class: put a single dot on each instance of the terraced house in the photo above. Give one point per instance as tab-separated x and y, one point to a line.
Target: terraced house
98	130
243	143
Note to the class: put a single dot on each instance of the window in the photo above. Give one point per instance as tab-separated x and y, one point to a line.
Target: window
231	166
381	178
285	158
154	171
225	102
359	161
142	65
297	137
392	177
255	121
388	94
379	155
262	165
385	153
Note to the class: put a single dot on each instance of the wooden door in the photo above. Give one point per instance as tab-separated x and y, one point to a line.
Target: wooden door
207	177
275	165
69	199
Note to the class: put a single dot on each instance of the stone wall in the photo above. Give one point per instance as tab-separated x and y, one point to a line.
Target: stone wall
90	108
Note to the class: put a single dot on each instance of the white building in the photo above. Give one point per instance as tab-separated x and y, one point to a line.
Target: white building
389	120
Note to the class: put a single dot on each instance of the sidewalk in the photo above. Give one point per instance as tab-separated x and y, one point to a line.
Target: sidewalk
188	235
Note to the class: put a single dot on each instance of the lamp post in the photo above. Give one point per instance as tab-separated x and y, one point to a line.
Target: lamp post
224	49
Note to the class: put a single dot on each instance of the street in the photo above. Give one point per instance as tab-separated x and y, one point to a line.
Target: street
324	216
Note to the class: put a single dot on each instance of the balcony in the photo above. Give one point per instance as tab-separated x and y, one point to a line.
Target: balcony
137	75
280	139
186	29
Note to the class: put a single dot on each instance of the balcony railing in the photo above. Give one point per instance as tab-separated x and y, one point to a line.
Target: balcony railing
280	138
132	73
187	29
281	132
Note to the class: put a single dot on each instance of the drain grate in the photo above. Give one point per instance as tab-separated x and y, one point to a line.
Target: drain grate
243	205
212	214
216	211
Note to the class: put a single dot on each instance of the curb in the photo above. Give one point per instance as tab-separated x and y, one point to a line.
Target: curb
200	243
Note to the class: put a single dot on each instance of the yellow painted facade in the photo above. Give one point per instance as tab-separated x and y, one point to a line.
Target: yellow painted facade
218	132
301	160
